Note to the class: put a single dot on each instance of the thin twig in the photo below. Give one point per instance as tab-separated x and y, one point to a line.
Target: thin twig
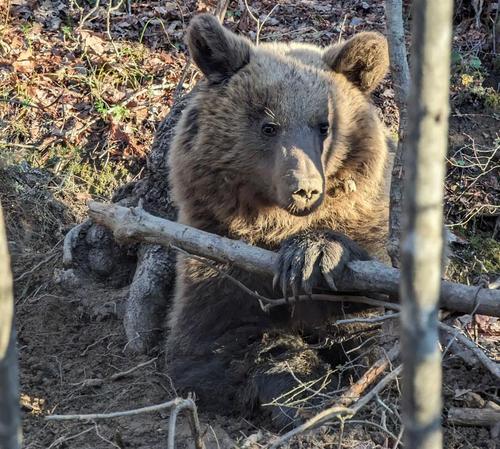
111	9
374	424
63	439
119	375
331	298
138	411
220	13
268	303
209	263
171	427
38	265
400	436
91	12
258	22
221	9
376	319
103	438
490	365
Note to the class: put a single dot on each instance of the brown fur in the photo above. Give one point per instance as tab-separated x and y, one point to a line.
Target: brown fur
224	179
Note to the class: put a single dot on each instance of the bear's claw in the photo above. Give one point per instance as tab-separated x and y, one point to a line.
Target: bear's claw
314	259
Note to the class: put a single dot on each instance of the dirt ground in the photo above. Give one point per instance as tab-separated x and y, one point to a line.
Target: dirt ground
64	139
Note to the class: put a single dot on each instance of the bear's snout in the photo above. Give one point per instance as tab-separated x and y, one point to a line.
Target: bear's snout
299	170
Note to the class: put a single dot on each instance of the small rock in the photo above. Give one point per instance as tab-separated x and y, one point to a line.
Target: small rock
67	279
81	70
270	20
492	405
473	400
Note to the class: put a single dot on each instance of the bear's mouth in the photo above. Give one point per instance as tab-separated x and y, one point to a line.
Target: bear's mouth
302	208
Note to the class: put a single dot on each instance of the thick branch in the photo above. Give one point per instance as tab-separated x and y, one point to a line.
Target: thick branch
137	224
491	366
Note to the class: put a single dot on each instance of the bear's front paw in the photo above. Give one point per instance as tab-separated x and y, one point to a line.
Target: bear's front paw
314	259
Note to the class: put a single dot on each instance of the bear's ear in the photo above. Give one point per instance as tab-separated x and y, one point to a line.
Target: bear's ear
218	52
363	59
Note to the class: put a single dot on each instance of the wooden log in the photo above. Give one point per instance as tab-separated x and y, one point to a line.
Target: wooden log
480	417
137	224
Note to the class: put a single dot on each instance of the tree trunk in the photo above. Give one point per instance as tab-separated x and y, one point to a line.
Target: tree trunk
422	220
401	81
145	271
10	430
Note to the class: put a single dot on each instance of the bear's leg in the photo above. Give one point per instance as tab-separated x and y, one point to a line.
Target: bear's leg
215	369
286	374
212	324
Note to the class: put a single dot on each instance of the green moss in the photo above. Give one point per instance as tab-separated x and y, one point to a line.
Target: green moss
468	76
491	98
479	257
74	171
102	182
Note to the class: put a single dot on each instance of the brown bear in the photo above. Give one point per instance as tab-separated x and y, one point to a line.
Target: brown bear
280	147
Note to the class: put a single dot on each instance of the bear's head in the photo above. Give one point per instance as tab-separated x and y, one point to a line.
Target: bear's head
272	120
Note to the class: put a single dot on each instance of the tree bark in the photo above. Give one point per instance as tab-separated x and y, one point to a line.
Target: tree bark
422	220
147	271
401	82
10	430
136	224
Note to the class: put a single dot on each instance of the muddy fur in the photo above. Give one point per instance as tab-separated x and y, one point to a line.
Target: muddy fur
229	178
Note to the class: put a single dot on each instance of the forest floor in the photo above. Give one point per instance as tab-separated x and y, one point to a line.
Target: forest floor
83	85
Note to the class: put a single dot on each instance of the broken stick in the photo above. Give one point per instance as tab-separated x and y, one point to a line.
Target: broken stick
483	417
361	276
175	405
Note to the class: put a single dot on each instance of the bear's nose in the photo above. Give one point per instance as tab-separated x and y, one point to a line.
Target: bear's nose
308	190
307	194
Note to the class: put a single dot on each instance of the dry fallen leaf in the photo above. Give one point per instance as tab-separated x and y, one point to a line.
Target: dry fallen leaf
93	42
25	62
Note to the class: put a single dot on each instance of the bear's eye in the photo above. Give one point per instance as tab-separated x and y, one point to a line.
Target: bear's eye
324	128
269	129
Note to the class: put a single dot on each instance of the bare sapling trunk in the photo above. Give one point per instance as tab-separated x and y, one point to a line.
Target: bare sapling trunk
422	231
10	431
401	81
